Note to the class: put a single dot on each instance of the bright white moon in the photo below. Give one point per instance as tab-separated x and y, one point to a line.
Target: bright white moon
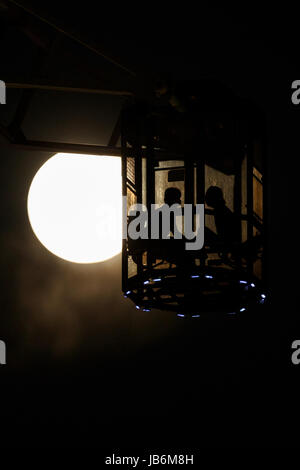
75	207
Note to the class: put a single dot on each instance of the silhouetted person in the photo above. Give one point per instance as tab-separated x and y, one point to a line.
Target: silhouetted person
165	248
172	249
172	196
228	224
228	227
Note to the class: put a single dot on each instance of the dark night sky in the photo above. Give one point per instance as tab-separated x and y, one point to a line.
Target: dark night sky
83	364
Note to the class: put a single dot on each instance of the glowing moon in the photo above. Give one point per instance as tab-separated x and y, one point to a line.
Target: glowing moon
75	207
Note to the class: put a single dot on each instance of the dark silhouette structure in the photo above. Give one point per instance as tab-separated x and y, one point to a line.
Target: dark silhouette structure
196	143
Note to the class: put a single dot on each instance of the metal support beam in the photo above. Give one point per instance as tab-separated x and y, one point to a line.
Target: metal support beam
124	209
94	91
6	133
71	36
250	201
55	147
116	133
15	126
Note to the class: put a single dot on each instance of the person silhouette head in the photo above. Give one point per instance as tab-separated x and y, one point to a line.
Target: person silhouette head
214	197
172	196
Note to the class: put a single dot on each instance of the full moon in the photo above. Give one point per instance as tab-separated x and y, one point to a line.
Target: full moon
75	207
